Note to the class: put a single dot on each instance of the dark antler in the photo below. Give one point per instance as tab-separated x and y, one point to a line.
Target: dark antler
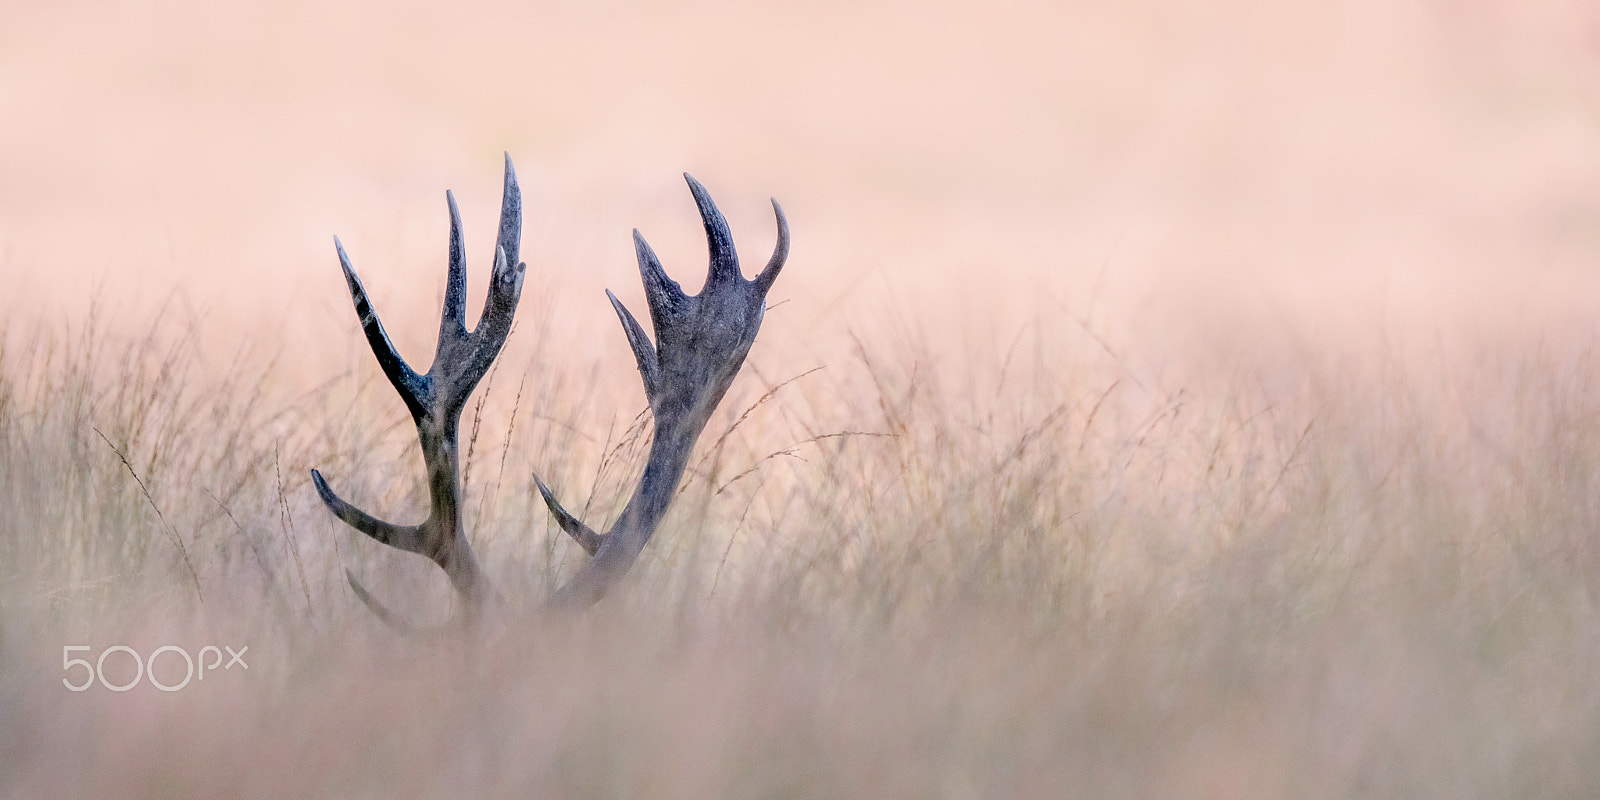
701	341
435	401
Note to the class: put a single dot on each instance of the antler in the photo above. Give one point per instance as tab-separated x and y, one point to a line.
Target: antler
700	343
435	401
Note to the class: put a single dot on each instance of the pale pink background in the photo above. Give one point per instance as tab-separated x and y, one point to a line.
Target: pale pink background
1163	172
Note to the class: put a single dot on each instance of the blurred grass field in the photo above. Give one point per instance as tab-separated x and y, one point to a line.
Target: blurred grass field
1162	400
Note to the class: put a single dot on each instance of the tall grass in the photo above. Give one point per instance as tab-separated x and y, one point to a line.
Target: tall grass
1037	572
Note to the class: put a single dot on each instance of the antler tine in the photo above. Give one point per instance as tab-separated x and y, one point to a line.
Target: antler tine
453	322
509	237
462	368
580	533
505	283
780	252
643	351
700	343
413	388
378	609
724	260
405	537
663	294
394	620
435	400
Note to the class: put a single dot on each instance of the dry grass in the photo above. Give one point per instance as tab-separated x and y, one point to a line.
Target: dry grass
1367	583
1172	400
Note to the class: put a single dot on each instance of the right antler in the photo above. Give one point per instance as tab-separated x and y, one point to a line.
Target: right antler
701	341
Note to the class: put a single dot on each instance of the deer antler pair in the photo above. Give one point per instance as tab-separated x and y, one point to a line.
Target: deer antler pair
700	343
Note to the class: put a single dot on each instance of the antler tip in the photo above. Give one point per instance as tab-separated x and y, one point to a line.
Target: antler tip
329	499
544	491
783	223
702	197
344	263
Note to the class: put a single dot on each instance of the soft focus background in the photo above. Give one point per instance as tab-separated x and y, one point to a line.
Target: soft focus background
1163	399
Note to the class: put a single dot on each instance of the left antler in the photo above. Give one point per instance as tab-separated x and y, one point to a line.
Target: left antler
435	401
